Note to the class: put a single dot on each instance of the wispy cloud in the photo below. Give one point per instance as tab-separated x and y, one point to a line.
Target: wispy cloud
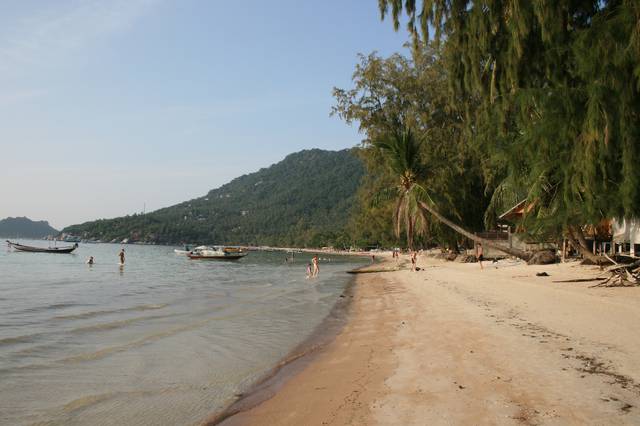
50	35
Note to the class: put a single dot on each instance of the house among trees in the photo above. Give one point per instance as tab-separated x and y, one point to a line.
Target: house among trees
517	237
626	236
609	236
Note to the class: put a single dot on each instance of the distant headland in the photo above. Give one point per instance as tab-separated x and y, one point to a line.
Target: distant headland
23	227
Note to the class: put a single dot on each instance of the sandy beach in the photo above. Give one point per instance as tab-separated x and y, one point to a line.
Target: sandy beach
451	344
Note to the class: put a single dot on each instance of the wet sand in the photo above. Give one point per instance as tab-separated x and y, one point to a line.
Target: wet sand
451	344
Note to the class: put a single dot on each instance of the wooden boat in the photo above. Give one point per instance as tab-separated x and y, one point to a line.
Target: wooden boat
21	247
216	253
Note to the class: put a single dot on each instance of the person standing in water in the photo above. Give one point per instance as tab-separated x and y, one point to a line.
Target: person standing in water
121	255
309	273
414	260
90	260
316	267
480	255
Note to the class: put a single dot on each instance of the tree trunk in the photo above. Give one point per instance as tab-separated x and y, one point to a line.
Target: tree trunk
410	225
576	237
521	254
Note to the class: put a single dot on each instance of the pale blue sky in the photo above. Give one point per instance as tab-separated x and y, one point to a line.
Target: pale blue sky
109	104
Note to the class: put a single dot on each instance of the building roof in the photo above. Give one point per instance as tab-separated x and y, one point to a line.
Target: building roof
516	212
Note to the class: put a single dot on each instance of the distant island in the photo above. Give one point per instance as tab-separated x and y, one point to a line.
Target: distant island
23	227
304	200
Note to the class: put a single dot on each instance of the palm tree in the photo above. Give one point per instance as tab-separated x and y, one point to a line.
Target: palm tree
401	150
403	156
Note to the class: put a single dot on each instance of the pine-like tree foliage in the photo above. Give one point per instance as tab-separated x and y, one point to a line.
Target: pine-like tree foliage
410	92
559	89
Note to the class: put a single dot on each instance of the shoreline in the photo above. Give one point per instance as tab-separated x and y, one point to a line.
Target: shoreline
453	345
301	356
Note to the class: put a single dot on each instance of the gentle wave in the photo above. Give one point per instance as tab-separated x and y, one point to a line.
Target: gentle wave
14	340
92	314
116	324
36	309
86	401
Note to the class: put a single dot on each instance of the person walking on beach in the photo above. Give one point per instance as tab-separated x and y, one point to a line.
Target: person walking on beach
121	255
414	260
480	255
316	267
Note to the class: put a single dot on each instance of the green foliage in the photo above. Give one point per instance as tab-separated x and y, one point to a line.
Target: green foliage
396	93
305	200
558	85
401	150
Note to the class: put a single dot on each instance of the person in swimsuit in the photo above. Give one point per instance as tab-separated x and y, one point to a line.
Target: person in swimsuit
90	260
414	260
121	255
316	267
480	255
309	273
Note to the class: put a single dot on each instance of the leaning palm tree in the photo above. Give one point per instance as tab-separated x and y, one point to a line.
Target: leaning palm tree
401	150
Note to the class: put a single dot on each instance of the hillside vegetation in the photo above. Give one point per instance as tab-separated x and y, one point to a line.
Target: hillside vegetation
304	200
23	227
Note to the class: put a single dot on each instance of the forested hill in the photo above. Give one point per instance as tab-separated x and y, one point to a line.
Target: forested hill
304	200
22	227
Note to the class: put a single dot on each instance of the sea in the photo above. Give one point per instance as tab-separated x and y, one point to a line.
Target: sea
162	340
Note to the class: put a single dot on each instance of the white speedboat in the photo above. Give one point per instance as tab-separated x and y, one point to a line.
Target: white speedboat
216	253
186	250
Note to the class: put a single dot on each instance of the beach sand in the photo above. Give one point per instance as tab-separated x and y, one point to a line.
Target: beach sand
451	344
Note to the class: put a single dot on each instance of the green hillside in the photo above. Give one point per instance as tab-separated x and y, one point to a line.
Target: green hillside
304	200
22	227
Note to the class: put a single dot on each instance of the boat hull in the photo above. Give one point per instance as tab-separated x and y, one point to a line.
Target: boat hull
216	257
31	249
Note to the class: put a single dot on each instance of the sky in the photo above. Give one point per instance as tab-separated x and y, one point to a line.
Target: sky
111	107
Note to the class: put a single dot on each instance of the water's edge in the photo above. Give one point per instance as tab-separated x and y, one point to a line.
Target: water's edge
295	361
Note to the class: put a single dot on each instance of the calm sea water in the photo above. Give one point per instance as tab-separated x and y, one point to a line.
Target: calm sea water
162	341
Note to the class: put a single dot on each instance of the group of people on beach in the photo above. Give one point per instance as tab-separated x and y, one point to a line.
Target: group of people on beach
91	260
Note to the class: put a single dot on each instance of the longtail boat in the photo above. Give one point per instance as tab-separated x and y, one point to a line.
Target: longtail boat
21	247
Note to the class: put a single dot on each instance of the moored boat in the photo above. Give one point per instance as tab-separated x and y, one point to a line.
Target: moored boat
216	253
186	250
32	249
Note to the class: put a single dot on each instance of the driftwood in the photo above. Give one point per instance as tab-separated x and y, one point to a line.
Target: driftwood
616	275
579	280
622	275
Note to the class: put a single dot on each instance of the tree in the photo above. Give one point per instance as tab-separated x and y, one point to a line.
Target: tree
402	152
558	85
413	90
402	155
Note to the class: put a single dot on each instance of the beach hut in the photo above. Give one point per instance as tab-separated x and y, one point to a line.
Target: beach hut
516	235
